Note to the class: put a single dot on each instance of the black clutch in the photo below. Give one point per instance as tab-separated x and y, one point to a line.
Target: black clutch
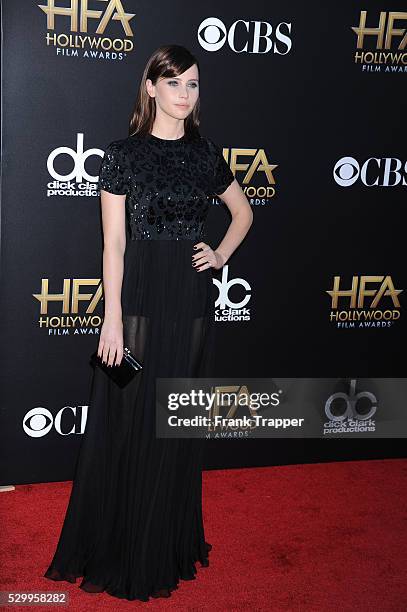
121	374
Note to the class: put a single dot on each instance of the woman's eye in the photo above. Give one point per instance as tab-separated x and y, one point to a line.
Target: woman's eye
194	85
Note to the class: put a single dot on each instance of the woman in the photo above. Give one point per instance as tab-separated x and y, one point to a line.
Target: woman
133	526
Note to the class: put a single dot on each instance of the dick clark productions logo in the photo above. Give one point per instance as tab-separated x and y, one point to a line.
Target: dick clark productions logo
76	182
225	308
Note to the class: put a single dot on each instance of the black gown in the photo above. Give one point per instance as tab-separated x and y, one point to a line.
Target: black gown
133	526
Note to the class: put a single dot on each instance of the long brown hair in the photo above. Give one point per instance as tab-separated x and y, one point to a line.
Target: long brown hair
166	61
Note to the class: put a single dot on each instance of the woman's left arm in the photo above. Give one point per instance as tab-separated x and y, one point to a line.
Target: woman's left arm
242	218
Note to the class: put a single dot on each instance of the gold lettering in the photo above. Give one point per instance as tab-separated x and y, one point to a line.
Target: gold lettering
363	31
114	12
395	31
65	297
359	292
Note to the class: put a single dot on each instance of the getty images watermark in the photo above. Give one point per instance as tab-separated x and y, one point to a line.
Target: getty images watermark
281	408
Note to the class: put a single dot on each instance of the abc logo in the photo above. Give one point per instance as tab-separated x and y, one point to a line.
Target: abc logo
212	35
224	285
39	421
373	172
351	399
79	158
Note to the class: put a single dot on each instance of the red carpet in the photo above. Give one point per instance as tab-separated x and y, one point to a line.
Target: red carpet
303	538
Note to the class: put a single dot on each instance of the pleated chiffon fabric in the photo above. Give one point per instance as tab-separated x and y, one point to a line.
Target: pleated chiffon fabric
134	524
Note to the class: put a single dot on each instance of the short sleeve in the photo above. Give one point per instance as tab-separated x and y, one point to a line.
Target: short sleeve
222	174
113	172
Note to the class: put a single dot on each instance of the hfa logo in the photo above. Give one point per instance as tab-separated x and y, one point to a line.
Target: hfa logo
76	182
68	320
225	308
378	306
343	411
252	164
76	17
386	42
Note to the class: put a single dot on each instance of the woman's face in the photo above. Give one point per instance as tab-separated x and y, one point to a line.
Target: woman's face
176	96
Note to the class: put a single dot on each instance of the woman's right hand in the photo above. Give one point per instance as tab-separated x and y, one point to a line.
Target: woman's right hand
111	341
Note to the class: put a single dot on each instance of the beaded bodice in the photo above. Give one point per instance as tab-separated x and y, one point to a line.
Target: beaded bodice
168	184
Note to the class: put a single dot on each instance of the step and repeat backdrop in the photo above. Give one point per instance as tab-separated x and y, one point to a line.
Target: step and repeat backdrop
306	101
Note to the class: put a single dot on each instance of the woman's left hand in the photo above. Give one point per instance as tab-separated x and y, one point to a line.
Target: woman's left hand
207	258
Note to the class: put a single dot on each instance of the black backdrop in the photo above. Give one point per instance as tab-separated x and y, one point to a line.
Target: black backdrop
286	81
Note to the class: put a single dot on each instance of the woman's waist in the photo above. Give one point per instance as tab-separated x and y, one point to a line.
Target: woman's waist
164	230
163	260
162	247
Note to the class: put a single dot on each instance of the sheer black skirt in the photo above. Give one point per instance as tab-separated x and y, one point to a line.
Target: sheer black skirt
134	524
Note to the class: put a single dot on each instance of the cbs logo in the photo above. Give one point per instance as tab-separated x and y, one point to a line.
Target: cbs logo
39	421
382	172
213	34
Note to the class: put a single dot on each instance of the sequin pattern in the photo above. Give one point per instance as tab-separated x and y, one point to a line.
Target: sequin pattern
168	184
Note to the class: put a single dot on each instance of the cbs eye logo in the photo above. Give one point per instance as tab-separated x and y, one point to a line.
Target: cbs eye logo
212	34
39	421
346	171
